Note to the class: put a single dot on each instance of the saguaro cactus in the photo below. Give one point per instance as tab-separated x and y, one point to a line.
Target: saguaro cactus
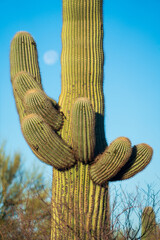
69	135
148	224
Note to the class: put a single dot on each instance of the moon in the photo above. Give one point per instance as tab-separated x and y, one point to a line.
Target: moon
50	57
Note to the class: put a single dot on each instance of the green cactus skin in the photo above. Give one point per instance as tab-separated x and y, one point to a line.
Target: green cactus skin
83	130
45	143
36	101
24	82
148	224
139	159
80	196
111	161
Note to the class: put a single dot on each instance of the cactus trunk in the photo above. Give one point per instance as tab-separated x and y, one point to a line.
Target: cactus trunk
79	205
82	62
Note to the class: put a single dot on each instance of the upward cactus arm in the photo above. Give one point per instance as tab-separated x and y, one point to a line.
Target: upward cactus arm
39	115
24	56
83	130
25	74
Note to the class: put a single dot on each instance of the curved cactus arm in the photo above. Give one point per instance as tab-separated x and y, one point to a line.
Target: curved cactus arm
140	158
45	143
39	114
111	161
23	56
25	75
83	130
36	101
24	81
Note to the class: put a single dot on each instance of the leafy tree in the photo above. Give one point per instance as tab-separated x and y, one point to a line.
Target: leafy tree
24	201
10	188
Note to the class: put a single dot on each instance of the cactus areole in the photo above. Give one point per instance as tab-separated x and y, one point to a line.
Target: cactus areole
69	135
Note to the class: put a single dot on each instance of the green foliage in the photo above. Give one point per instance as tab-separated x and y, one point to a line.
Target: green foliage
10	189
148	224
24	203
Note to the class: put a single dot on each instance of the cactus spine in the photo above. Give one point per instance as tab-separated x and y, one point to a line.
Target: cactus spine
75	144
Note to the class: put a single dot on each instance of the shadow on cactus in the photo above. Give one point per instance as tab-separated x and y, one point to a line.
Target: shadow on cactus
71	137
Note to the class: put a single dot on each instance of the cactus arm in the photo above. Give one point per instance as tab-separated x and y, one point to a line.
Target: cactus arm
23	81
24	56
35	100
25	73
39	115
140	158
83	130
120	162
45	143
111	160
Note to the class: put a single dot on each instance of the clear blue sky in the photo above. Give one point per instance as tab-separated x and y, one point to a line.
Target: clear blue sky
131	73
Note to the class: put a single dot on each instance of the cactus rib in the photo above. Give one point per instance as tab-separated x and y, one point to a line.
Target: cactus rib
24	56
111	161
45	143
140	158
36	101
23	82
83	130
